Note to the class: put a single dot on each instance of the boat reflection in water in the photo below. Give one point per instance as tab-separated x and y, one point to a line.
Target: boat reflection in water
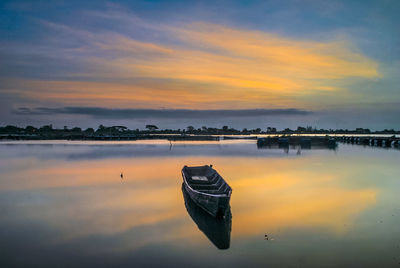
297	141
218	230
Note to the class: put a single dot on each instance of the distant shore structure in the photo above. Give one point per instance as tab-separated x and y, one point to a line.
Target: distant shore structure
304	136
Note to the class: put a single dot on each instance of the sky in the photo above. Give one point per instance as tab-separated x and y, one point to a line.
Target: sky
245	64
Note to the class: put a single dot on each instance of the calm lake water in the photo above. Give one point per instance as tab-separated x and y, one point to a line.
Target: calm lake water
64	204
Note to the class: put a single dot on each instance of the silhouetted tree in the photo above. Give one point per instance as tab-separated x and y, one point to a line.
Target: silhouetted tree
301	129
46	128
89	130
11	129
151	127
30	129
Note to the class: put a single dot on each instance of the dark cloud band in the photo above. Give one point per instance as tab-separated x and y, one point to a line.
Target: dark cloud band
156	113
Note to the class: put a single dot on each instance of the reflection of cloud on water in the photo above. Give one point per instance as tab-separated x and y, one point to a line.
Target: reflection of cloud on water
102	212
288	193
149	173
333	209
83	199
74	152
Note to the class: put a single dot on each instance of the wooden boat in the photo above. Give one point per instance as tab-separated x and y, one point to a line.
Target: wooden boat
218	230
207	189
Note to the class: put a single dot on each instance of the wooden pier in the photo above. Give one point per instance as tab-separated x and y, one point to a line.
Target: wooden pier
327	141
303	141
386	142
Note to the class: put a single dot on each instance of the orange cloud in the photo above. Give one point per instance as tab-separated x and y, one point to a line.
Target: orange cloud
256	62
238	67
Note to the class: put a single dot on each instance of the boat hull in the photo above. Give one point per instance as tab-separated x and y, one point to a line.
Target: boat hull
216	203
215	206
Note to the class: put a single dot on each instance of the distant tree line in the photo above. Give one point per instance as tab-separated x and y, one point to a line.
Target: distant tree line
47	131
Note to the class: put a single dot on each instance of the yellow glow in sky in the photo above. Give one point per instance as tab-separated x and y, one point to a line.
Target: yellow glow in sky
207	66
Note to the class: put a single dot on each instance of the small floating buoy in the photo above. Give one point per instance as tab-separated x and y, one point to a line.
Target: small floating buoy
266	237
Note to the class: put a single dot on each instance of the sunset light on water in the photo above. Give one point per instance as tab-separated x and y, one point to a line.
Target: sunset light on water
199	133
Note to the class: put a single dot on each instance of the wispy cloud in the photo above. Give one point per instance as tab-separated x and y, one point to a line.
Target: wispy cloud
200	65
253	62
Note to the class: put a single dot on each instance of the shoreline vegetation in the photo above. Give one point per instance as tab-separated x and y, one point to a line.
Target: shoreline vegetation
47	132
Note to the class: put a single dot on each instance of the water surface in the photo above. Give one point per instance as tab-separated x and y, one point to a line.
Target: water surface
64	204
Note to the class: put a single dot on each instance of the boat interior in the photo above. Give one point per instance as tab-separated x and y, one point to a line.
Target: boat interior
207	180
